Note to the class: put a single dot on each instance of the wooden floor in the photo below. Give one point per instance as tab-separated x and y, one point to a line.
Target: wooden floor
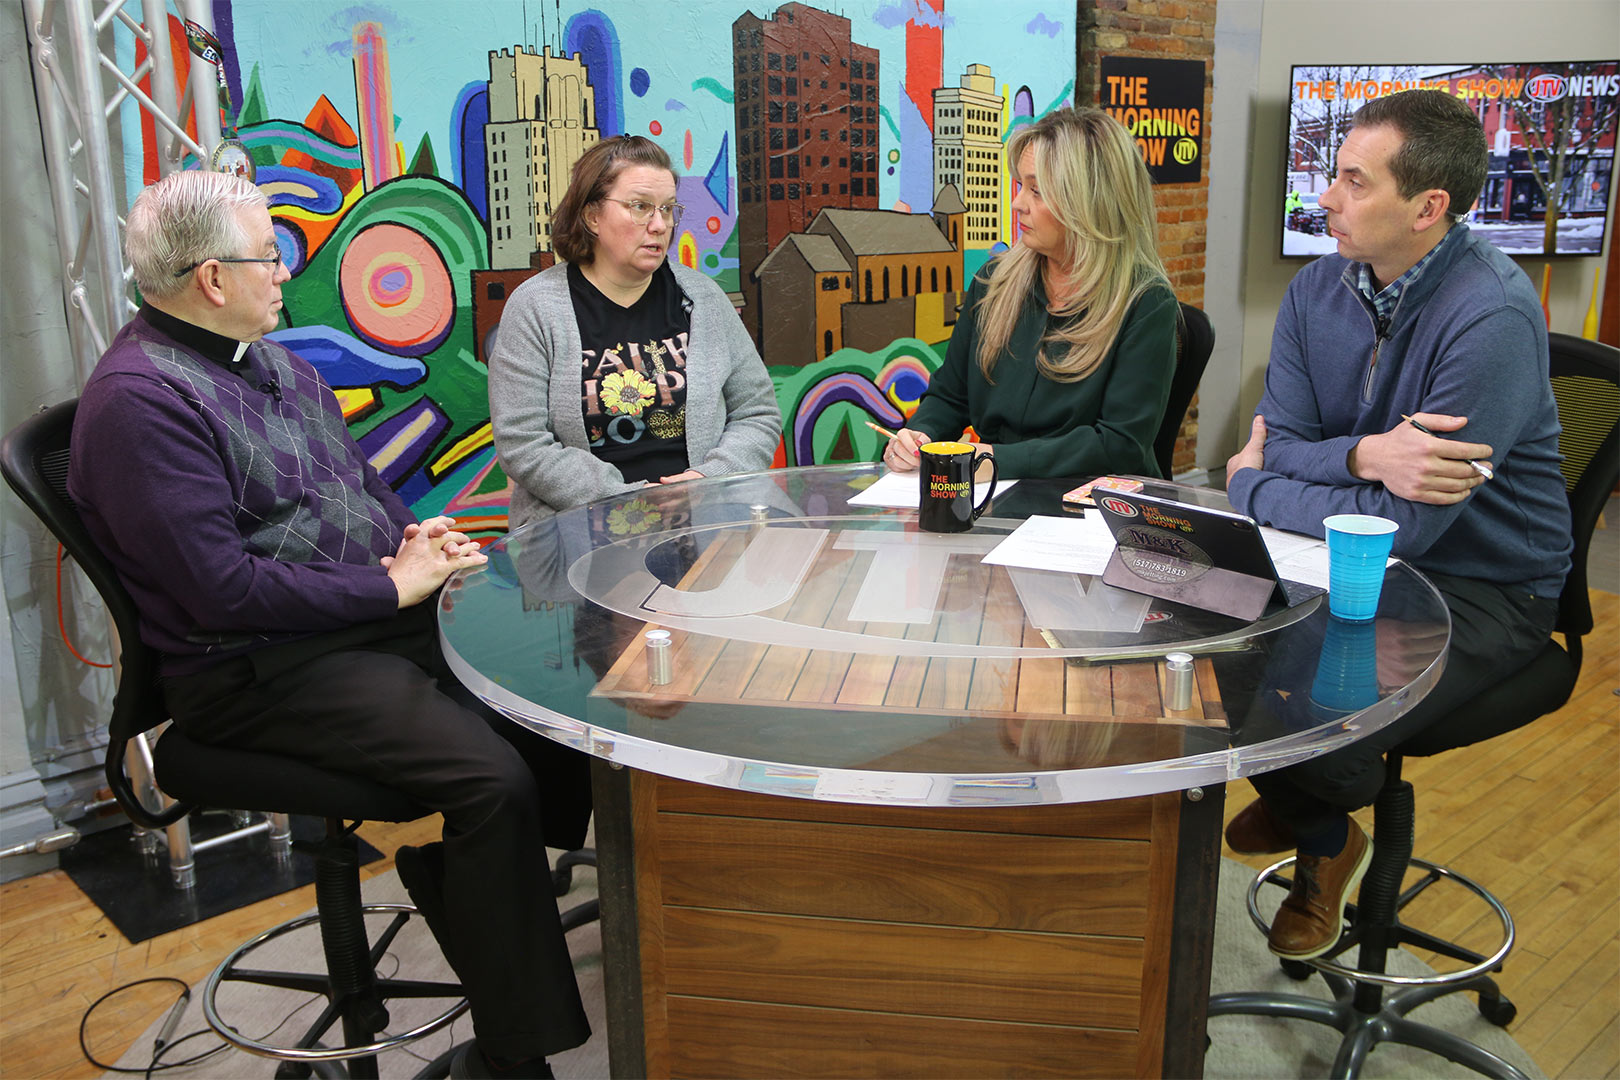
1533	815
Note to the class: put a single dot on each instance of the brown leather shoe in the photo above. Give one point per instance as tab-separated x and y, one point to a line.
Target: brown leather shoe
1255	831
1309	922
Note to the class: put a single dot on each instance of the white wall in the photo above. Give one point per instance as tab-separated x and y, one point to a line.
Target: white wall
1237	75
1369	31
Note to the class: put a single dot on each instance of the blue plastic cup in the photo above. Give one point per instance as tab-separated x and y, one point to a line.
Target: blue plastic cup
1347	672
1358	548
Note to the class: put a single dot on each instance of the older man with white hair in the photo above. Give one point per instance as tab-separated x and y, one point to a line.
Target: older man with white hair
284	584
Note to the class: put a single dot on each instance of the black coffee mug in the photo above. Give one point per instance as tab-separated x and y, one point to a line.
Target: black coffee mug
945	475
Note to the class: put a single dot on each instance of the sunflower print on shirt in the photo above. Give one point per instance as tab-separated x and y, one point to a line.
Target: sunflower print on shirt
626	393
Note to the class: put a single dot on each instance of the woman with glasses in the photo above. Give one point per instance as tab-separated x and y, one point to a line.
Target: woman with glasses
1062	358
617	368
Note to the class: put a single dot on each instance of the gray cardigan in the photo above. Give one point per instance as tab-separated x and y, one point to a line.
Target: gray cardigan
733	423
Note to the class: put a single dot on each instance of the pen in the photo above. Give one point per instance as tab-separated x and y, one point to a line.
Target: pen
881	431
1479	466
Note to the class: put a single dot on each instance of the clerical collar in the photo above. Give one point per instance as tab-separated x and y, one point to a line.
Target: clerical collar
227	352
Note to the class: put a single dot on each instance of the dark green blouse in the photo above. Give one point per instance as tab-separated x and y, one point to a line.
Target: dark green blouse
1105	423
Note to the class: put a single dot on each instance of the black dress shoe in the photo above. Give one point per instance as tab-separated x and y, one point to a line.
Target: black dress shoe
467	1062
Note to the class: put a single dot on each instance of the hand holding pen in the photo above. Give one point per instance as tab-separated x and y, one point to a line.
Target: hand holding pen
1417	460
1480	467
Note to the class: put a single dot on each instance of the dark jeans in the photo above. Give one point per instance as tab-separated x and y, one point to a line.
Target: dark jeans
1495	631
376	701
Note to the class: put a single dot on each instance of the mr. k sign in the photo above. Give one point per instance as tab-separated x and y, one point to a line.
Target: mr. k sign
1162	103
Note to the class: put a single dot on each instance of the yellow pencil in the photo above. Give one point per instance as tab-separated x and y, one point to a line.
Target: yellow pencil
881	431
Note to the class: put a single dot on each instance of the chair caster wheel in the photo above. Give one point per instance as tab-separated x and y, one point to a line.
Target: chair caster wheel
1499	1011
1298	970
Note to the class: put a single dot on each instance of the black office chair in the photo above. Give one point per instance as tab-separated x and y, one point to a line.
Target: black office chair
1195	340
34	460
1586	384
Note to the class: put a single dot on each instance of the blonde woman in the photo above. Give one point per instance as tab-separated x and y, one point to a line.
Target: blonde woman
1062	357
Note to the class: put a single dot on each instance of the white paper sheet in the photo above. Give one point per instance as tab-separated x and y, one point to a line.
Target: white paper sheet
1300	558
1284	544
1072	545
900	491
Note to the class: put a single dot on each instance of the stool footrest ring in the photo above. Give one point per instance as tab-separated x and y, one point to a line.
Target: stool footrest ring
1473	971
405	989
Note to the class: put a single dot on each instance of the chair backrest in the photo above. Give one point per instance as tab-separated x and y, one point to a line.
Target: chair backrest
34	460
1586	383
1195	340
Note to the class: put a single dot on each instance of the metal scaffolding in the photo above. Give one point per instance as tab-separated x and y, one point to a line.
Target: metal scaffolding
83	95
81	91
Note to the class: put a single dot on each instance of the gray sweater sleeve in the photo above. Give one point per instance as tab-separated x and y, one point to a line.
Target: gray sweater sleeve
741	435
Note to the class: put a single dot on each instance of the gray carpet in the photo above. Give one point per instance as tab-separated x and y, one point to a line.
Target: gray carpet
259	1011
1240	1046
1255	1046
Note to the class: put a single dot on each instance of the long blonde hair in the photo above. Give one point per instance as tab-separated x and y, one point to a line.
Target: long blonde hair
1092	178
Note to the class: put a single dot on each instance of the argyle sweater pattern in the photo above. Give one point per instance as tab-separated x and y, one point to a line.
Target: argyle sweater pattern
166	438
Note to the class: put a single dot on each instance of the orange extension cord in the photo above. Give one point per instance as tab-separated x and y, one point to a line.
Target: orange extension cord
61	621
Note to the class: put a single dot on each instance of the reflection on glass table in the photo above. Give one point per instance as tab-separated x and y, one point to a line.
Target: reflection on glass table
828	651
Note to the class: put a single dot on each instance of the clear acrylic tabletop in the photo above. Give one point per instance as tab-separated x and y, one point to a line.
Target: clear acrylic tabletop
821	650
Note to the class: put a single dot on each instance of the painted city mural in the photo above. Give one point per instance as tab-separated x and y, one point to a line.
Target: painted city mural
841	171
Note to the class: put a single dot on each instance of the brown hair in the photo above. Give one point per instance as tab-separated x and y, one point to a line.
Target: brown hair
1442	145
592	179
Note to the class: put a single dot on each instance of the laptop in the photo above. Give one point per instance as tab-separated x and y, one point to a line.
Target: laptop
1195	555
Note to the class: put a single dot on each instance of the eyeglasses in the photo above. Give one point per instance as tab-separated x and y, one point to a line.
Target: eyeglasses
268	260
642	212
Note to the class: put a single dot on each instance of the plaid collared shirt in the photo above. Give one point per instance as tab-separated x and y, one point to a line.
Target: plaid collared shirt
1385	302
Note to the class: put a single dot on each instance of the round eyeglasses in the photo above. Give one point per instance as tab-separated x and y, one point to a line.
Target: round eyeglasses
642	212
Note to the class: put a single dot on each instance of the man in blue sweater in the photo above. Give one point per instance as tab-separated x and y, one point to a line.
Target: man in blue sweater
1415	315
290	591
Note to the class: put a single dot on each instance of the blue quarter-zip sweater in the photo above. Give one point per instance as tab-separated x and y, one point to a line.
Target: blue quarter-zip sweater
1467	338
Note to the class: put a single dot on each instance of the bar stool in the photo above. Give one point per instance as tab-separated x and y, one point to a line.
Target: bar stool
1369	1004
356	995
1585	378
34	459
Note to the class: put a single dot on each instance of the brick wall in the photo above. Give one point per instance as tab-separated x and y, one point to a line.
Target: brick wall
1172	30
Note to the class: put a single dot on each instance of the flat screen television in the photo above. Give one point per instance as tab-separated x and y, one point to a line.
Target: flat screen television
1551	129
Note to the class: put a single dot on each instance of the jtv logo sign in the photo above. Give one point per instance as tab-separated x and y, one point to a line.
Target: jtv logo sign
1547	88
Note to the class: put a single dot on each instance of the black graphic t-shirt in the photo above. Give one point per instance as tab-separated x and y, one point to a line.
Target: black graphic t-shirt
633	375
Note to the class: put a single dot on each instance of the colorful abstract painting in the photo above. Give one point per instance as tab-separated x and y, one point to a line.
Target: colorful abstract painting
841	168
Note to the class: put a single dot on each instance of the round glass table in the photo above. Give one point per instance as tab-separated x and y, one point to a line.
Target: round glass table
891	809
815	648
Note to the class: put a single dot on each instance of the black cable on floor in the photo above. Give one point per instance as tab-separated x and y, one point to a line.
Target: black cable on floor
163	1044
158	1047
158	1052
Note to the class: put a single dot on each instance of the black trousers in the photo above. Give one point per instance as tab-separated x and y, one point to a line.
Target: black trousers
1495	631
377	701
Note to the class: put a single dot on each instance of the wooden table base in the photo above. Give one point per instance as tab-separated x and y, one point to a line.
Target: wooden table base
750	935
